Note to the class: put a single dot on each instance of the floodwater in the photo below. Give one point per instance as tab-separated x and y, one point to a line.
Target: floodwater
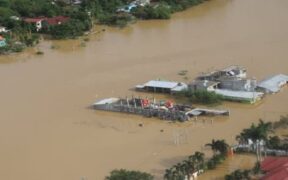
48	133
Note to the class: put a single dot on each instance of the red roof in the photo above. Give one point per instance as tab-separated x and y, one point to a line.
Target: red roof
51	21
57	20
33	20
276	168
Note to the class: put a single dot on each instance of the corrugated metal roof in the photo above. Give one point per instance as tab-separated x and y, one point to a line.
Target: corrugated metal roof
274	83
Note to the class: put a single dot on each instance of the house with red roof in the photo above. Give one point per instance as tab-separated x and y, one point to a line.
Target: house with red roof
53	21
36	21
275	168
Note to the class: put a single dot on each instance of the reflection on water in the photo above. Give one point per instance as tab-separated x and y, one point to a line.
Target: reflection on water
47	132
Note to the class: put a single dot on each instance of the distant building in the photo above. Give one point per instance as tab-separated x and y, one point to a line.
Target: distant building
275	168
273	84
3	29
38	22
162	86
133	4
57	20
2	41
142	2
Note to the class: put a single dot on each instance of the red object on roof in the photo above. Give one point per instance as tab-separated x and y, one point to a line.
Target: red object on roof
57	20
276	168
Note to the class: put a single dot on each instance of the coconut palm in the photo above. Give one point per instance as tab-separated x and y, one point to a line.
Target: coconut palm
218	146
259	132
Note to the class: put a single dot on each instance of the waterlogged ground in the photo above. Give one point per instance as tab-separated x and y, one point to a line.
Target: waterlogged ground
48	133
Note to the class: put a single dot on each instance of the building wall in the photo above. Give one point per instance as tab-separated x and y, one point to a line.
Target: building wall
238	85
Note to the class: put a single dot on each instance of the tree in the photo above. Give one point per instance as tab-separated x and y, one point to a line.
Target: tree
238	174
259	132
219	146
123	174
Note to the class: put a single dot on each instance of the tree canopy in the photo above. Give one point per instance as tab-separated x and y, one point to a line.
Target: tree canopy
123	174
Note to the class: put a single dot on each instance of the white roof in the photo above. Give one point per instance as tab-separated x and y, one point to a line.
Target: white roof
274	83
106	101
239	94
161	84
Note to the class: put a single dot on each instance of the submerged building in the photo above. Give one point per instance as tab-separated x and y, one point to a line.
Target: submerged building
162	86
231	71
165	110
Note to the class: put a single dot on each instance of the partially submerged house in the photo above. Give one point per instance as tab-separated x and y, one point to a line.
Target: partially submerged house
162	86
231	83
231	71
165	110
273	84
2	41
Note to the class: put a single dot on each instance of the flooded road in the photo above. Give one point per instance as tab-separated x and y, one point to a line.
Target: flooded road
47	132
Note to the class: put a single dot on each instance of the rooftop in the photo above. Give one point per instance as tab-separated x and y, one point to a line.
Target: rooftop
162	84
275	168
274	83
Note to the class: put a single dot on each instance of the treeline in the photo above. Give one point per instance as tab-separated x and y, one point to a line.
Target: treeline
196	163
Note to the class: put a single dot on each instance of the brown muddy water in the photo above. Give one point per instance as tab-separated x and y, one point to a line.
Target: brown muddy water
48	133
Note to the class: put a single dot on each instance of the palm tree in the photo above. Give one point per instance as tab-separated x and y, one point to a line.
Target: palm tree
213	146
169	174
218	146
259	132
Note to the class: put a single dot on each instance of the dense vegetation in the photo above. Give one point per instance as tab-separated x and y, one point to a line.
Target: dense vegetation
202	97
123	174
82	17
